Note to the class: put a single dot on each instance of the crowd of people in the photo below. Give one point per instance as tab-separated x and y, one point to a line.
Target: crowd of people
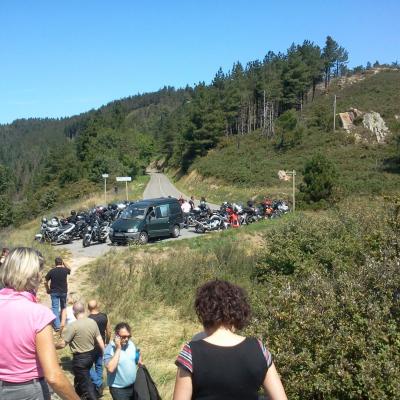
217	363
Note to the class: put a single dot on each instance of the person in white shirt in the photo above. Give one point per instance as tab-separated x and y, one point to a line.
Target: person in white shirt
186	208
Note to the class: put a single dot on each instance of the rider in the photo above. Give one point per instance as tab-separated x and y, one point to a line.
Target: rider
204	206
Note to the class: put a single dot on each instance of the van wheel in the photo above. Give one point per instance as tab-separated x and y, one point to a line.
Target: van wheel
143	238
175	231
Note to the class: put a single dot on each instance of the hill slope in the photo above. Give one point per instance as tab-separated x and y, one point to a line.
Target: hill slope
254	160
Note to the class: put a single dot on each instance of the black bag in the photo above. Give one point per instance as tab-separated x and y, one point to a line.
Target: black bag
145	388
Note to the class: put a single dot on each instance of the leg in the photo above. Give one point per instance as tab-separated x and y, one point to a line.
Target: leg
63	300
81	365
55	307
96	372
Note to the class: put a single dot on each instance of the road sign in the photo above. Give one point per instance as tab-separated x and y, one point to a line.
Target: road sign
104	176
123	178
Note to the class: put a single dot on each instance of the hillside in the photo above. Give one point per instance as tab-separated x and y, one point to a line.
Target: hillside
241	129
253	160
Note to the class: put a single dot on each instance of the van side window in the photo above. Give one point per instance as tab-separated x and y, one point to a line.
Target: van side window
162	211
175	208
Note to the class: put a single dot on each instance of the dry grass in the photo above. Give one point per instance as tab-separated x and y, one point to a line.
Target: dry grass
216	191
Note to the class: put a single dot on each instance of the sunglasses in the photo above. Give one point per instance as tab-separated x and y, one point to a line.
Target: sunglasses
124	337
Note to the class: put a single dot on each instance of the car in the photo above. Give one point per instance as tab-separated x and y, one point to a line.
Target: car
146	219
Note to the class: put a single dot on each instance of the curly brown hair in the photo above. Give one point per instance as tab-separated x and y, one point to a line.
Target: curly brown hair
222	303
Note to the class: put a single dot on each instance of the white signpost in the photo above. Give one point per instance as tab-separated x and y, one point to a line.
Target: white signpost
125	179
105	176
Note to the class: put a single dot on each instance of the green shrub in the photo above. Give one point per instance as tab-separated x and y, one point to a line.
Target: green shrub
319	176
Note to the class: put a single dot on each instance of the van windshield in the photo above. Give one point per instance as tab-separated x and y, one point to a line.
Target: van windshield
133	212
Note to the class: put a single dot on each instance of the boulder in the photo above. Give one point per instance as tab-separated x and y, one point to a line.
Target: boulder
283	176
375	123
346	121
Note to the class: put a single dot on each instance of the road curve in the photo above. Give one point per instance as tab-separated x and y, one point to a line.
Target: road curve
160	186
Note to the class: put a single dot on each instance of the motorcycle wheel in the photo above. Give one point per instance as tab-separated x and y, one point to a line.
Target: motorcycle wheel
199	229
86	242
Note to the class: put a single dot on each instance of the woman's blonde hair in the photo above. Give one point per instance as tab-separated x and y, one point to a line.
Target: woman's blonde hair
22	269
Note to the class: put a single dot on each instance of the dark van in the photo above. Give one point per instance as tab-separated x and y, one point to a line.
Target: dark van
146	219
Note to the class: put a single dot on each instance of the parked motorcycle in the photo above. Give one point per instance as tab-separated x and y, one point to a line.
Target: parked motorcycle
214	223
54	232
96	232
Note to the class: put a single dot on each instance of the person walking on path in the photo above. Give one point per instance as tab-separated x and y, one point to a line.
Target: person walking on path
58	288
28	360
191	202
101	319
121	358
82	335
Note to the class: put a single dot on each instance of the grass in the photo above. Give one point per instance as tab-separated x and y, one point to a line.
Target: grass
152	287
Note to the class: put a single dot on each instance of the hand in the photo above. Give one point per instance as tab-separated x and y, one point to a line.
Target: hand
117	341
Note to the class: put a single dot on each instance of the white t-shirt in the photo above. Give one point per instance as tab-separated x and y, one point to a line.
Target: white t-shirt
186	207
70	316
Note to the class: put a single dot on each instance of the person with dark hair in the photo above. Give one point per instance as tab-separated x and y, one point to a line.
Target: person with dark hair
225	365
102	321
121	358
58	289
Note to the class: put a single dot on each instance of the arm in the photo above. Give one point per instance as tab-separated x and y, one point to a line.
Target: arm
108	331
100	342
183	385
61	344
112	364
273	386
52	371
63	319
66	266
46	285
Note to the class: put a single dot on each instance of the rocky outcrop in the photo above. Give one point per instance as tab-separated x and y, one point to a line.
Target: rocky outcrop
375	123
372	121
283	176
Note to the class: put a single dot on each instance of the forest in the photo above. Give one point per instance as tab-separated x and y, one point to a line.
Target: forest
47	161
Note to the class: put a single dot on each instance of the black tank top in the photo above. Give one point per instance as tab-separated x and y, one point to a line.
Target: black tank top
227	373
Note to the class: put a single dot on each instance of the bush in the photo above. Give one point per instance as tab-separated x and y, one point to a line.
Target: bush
319	176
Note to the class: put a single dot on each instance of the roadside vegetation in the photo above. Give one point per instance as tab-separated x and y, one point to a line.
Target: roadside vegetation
323	287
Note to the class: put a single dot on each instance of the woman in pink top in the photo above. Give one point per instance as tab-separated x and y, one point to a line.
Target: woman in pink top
28	357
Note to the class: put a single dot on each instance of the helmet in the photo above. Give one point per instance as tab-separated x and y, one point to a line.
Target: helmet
44	220
73	212
54	222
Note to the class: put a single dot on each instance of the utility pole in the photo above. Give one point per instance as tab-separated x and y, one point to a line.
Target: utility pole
293	173
334	114
105	176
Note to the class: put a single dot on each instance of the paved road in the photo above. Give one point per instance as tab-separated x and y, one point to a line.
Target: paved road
158	186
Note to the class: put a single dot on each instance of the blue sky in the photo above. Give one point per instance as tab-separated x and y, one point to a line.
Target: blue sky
60	58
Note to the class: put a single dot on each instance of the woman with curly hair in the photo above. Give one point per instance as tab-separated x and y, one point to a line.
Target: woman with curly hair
225	365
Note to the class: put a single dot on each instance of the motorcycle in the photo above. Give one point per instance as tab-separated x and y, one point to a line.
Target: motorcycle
96	232
54	232
214	223
280	208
